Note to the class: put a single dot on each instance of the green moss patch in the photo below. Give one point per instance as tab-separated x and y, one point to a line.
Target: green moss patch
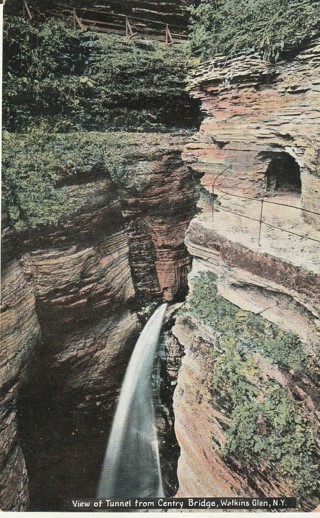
36	166
84	81
270	27
268	430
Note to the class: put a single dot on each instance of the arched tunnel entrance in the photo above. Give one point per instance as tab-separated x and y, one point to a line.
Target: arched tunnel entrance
283	174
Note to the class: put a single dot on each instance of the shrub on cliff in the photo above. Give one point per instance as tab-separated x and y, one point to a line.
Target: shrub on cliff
84	81
42	67
268	429
270	27
37	164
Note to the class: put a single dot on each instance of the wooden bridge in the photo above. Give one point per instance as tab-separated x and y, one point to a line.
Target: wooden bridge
156	19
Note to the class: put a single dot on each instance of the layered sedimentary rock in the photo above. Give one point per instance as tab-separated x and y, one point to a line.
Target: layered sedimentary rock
260	118
73	282
259	140
202	418
81	270
20	334
81	276
158	208
83	282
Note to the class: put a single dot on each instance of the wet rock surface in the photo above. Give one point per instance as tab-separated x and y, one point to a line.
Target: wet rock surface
20	339
82	283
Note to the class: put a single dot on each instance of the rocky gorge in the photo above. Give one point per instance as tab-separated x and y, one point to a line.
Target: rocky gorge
165	216
84	286
256	116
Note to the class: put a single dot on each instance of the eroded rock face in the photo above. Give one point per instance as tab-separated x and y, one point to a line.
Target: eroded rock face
261	135
20	332
238	265
201	471
203	419
81	276
260	118
78	292
158	210
82	282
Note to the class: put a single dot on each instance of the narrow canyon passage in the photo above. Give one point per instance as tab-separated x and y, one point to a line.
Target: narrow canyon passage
140	171
66	409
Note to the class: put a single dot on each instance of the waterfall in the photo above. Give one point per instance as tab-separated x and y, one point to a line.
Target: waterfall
131	465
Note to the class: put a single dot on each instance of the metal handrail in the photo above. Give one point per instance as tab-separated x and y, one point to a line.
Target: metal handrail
262	201
268	224
258	199
270	202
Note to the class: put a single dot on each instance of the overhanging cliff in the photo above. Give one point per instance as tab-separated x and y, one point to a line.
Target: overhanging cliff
250	328
91	277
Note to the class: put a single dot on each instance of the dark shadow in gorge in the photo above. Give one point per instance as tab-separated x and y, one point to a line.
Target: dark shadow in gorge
63	445
64	436
64	441
169	448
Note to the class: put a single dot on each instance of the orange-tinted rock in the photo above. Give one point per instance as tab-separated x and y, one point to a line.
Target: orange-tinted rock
256	115
201	422
20	334
79	282
158	211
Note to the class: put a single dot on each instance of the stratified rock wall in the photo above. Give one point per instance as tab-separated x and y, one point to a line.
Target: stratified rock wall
81	275
261	121
201	420
198	424
158	209
20	334
82	282
259	114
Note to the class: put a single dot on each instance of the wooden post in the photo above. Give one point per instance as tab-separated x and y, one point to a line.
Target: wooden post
27	10
169	38
74	19
129	32
260	222
78	21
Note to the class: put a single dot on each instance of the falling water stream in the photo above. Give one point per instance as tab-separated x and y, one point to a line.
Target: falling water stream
131	465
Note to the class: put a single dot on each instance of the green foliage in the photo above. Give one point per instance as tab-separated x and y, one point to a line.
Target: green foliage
267	426
30	173
41	70
143	82
271	431
250	332
74	81
36	164
270	27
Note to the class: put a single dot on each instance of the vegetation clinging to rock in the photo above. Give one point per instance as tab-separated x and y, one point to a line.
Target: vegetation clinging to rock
268	426
270	27
84	81
250	332
36	165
